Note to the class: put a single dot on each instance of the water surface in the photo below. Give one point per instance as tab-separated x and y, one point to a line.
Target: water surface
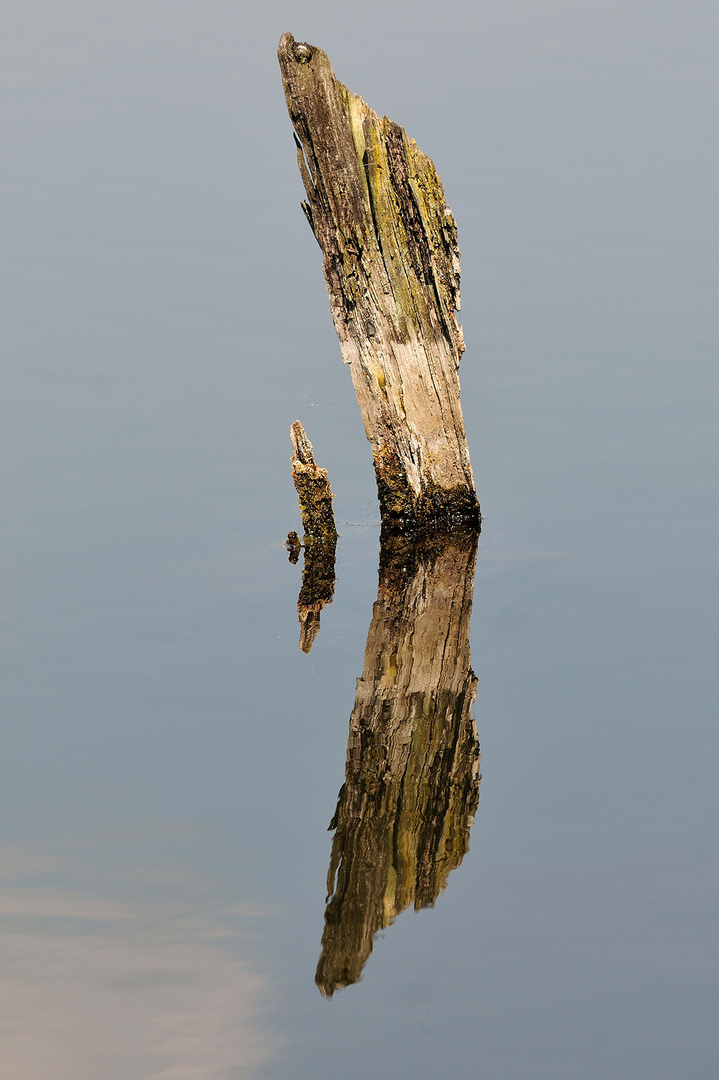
172	759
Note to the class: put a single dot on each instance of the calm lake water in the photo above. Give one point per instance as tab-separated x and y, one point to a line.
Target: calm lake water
172	759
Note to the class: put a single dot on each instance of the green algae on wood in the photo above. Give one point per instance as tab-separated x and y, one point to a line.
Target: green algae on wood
391	261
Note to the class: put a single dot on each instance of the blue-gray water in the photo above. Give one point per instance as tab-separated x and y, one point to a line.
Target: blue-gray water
171	760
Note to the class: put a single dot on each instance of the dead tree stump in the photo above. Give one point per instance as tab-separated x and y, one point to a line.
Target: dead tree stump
391	261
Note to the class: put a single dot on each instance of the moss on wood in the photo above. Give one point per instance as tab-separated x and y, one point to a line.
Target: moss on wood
313	488
391	261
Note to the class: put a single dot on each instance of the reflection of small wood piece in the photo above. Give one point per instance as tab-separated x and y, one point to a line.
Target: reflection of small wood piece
377	209
318	587
313	487
412	776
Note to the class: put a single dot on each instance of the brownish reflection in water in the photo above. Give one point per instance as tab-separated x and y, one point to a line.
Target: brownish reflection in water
318	582
118	966
412	775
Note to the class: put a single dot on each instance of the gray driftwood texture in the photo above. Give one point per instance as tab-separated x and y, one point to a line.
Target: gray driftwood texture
389	242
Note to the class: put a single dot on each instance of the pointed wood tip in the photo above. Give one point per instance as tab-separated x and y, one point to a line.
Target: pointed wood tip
301	446
291	52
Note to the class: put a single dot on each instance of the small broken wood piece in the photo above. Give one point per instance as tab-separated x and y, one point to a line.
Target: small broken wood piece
391	261
313	487
318	522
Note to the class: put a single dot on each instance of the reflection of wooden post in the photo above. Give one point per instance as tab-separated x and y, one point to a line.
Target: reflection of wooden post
376	206
412	785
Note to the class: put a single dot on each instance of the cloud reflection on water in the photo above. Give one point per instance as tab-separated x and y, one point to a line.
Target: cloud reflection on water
94	986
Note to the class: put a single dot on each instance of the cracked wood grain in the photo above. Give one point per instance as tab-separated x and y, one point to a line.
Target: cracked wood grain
391	262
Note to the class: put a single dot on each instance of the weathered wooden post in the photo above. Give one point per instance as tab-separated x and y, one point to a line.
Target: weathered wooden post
376	206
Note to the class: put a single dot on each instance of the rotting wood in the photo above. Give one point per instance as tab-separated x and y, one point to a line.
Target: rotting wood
391	261
320	540
313	487
412	775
